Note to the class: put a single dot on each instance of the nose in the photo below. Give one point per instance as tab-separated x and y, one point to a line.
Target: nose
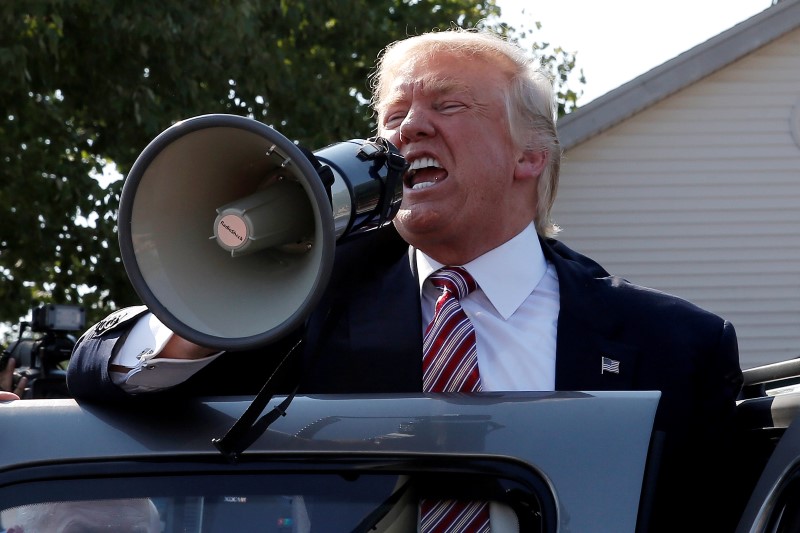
416	125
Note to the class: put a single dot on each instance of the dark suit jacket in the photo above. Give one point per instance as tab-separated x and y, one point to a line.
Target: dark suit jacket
366	336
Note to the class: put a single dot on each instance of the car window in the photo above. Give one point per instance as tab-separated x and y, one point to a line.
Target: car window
322	498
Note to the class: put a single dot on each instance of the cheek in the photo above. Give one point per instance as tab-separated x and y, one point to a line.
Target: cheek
393	138
391	135
489	188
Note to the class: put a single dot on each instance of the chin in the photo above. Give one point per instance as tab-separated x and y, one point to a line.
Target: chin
417	229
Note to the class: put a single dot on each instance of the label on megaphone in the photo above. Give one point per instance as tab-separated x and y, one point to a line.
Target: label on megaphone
278	215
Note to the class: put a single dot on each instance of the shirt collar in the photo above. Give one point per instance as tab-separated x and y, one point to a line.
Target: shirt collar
507	274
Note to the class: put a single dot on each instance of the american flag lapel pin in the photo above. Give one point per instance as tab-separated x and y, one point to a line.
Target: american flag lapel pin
609	365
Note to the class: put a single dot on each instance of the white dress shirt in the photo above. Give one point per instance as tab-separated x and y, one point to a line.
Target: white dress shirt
514	313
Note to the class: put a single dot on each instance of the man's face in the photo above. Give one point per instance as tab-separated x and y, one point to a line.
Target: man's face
447	116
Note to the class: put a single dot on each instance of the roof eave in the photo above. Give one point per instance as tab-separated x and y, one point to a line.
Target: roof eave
678	73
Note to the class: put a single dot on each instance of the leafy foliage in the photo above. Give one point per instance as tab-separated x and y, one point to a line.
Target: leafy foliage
88	84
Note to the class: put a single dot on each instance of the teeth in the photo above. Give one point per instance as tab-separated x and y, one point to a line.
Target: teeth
418	164
424	163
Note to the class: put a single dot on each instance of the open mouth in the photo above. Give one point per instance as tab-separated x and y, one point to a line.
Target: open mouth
423	173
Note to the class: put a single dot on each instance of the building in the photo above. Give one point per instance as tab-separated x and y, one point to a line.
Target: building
687	179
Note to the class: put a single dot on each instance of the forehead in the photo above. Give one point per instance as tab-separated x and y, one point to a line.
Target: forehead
442	73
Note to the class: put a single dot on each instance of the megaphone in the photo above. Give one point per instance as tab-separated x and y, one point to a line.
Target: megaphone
227	229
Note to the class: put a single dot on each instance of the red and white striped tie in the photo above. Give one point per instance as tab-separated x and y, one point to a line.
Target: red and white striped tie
450	364
449	355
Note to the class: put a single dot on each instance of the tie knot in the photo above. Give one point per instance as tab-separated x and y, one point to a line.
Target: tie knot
455	280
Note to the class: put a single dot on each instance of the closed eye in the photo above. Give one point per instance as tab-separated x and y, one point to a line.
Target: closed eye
450	107
394	114
394	120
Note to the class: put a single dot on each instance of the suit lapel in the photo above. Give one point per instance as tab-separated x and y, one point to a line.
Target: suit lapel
385	331
370	338
588	329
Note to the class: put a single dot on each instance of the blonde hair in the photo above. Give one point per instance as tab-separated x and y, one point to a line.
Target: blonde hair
530	100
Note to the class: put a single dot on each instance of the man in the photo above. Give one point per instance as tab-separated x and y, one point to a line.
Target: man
475	119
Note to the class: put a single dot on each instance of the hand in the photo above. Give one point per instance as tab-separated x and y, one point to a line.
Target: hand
179	348
7	389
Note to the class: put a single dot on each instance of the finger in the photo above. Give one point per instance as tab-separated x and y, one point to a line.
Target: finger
7	375
20	389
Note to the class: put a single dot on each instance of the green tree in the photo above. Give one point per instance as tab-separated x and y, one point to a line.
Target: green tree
88	84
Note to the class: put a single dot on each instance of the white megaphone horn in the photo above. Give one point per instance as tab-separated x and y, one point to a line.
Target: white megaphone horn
227	229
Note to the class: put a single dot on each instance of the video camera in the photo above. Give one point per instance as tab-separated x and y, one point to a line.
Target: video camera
41	357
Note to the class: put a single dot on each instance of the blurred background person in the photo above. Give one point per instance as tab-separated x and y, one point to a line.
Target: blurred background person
119	516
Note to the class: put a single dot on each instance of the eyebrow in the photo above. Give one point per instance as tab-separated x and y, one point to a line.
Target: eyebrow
429	86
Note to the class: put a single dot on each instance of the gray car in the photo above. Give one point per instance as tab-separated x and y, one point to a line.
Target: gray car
361	463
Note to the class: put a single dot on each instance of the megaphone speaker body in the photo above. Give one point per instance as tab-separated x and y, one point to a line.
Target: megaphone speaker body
366	192
243	287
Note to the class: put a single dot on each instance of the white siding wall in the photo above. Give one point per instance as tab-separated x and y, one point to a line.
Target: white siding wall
699	196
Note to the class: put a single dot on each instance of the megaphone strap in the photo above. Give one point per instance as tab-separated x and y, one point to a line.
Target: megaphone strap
246	430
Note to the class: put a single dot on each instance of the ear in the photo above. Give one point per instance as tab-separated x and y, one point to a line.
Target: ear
530	164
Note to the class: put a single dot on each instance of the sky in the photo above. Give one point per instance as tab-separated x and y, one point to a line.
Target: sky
617	40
